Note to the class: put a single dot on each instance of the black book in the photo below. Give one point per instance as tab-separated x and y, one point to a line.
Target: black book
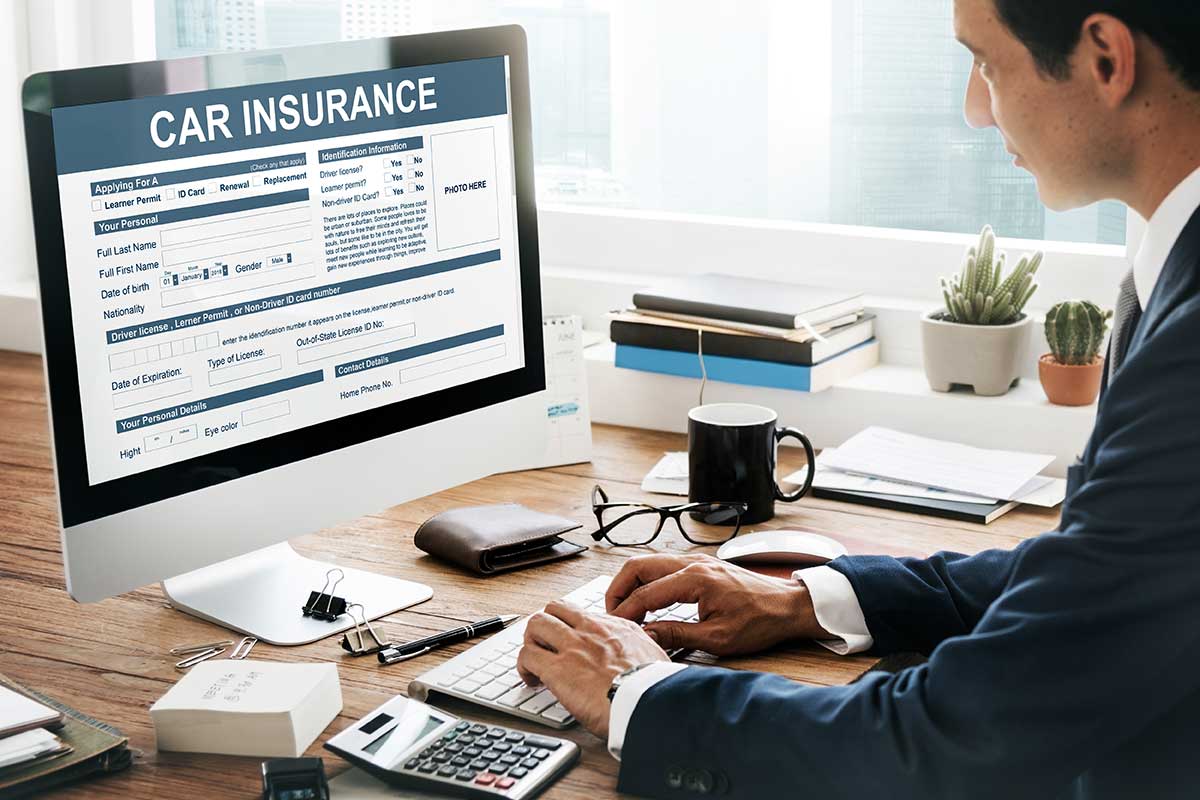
629	329
748	300
981	513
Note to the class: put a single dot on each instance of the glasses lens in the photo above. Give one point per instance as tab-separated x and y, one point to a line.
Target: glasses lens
711	523
633	525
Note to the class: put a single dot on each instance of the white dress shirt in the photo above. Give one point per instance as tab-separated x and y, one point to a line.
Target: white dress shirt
834	602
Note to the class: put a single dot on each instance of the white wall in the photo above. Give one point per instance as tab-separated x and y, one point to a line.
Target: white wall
16	231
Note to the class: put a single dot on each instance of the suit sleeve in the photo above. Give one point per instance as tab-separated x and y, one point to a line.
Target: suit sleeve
1092	638
913	604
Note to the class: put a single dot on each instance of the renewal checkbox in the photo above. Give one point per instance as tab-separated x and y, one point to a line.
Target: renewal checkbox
212	189
387	177
170	194
256	180
97	205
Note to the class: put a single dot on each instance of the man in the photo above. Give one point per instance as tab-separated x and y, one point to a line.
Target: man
1069	666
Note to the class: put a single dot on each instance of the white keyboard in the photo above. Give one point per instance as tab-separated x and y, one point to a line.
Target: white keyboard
487	673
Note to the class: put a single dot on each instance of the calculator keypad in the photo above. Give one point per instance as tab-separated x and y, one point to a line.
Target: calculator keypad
490	757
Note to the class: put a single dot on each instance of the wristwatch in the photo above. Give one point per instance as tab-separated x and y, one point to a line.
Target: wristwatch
617	681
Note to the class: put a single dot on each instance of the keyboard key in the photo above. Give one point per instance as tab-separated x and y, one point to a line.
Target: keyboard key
497	733
447	772
509	679
477	663
463	726
472	752
454	747
517	695
498	768
539	702
502	747
428	767
508	647
478	729
465	738
494	670
514	737
518	772
557	713
448	681
530	763
441	758
460	761
492	691
521	751
510	760
469	686
412	763
486	779
541	753
479	764
465	775
505	783
543	742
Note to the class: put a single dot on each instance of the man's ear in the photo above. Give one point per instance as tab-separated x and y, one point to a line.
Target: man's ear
1108	52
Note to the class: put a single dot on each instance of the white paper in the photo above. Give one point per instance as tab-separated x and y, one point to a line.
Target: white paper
18	711
668	476
354	784
568	420
27	746
934	463
827	478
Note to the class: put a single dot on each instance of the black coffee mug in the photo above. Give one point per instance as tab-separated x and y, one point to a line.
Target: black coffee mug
731	457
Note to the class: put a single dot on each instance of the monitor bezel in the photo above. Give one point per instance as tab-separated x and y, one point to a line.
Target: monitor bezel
82	502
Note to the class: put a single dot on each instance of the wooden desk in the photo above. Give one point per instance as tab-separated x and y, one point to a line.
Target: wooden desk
110	659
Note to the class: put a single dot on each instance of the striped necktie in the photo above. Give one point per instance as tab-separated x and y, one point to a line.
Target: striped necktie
1125	320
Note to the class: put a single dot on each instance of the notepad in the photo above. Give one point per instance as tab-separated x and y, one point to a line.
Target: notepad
19	713
954	467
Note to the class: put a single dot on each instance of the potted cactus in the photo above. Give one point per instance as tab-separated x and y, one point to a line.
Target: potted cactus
981	338
1071	371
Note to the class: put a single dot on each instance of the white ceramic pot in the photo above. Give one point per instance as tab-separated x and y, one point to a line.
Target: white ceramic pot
988	358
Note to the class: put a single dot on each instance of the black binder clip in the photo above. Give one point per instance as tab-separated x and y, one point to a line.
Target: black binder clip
323	605
355	642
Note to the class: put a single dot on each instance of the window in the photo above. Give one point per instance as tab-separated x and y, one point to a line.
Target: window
825	111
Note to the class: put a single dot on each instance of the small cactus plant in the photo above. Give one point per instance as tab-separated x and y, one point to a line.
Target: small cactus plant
981	295
1075	330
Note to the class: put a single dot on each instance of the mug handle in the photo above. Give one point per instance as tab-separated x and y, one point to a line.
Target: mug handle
780	435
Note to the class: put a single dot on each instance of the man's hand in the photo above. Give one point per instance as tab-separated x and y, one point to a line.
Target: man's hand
740	611
577	655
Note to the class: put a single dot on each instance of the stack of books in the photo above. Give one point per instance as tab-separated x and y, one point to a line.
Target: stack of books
739	330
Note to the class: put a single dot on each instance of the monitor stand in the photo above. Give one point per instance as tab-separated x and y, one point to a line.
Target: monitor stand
261	594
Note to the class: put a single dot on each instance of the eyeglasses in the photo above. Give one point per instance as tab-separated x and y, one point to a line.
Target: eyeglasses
632	524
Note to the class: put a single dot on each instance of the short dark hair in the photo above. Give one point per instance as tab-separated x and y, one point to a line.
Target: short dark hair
1051	29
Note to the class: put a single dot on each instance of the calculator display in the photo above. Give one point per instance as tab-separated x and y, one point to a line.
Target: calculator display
432	723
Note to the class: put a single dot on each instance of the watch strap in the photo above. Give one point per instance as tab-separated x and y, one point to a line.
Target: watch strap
617	681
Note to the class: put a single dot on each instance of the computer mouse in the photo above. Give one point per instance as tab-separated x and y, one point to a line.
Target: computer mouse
781	547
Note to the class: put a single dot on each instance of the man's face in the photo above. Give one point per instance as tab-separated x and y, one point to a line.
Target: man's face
1054	128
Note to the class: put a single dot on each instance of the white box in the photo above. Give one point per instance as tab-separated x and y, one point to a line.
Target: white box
170	194
256	180
97	205
248	708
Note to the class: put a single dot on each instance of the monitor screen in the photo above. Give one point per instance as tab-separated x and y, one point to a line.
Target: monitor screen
250	261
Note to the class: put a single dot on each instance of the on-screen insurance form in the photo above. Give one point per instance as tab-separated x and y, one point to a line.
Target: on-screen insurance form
248	261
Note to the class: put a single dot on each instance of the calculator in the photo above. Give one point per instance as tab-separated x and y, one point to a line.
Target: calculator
412	745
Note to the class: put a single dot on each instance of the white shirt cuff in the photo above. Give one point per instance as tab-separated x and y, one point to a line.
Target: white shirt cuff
837	610
627	697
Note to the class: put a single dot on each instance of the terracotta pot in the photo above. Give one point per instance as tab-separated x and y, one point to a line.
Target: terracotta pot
1068	384
988	358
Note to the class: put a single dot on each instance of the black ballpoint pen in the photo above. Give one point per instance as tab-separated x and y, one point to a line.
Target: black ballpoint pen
403	652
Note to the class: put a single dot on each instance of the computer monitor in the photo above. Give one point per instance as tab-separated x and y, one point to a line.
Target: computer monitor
280	290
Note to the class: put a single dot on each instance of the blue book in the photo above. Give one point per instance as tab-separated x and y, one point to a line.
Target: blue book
748	372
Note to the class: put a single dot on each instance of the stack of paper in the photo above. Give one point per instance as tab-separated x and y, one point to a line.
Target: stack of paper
884	461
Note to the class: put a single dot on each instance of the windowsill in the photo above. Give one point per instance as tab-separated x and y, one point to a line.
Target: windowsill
890	395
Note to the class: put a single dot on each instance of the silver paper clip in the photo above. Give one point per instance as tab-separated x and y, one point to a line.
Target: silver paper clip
184	649
201	656
323	605
243	648
359	646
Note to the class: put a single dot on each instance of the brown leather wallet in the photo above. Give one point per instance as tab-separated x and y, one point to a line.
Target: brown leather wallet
490	539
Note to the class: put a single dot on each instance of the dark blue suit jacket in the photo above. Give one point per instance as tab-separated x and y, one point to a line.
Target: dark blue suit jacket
1067	667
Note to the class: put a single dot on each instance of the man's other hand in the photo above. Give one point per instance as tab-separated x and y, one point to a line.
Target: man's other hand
577	655
740	611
